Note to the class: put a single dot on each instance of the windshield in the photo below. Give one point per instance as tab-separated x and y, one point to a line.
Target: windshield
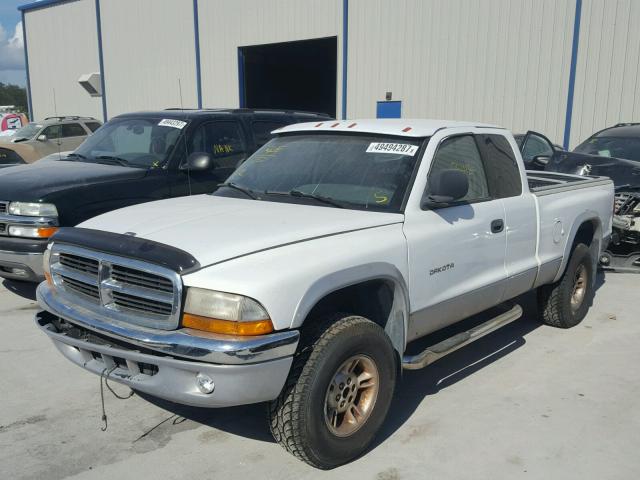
27	132
348	171
132	142
618	147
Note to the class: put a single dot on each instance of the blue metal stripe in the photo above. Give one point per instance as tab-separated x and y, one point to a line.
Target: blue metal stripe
101	61
241	78
196	33
40	4
572	74
345	49
26	67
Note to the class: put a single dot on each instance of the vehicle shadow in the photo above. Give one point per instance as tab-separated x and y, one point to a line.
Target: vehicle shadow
250	420
24	289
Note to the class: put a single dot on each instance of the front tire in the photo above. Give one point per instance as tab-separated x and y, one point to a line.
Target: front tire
338	392
565	303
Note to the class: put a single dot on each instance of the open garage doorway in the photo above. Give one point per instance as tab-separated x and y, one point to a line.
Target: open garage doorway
299	75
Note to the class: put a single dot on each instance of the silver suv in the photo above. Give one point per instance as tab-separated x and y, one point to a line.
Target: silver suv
39	139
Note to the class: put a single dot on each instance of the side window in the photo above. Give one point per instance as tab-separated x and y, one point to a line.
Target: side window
535	145
461	153
93	126
223	140
73	130
52	132
503	174
262	130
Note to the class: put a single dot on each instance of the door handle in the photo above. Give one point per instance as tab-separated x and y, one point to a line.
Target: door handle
497	226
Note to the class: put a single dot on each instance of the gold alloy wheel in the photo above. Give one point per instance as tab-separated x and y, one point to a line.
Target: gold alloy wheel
351	395
579	287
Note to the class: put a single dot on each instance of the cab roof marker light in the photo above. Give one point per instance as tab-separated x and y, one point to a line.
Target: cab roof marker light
406	129
319	124
352	125
335	124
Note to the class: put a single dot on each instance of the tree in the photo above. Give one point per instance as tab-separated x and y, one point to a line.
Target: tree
13	95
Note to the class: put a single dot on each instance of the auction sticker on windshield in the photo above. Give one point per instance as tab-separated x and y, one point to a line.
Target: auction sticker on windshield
168	122
401	148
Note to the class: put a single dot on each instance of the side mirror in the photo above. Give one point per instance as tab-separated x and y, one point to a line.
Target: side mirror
446	186
198	161
540	160
42	138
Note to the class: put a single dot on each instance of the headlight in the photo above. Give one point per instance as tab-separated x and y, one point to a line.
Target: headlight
226	313
31	232
32	209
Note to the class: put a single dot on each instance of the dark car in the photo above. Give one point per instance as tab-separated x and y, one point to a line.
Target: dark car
133	158
615	153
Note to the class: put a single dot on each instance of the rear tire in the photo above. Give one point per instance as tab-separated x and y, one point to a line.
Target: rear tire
565	303
338	392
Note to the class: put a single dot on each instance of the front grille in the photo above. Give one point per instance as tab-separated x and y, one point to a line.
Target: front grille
3	228
141	279
4	207
80	287
133	302
124	289
86	265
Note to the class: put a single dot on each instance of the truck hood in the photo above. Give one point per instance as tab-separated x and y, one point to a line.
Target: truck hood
215	229
34	182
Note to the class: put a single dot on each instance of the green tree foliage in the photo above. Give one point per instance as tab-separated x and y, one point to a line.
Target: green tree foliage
13	95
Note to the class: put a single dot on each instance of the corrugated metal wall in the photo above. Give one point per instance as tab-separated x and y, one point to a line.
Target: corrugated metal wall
607	75
62	46
496	61
226	25
148	46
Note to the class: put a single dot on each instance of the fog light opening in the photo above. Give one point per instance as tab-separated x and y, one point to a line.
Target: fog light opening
204	383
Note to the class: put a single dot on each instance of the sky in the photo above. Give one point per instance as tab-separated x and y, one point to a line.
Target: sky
11	43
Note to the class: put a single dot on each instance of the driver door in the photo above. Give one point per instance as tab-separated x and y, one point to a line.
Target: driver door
456	251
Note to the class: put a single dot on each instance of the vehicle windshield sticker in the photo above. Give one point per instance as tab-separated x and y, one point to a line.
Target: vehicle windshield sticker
168	122
401	148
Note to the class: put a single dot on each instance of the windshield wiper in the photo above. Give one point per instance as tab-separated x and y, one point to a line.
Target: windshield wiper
313	196
75	155
248	192
113	160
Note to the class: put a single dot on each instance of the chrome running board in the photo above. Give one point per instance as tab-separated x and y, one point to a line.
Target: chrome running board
451	344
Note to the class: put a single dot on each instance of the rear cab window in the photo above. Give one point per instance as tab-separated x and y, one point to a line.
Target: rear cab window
501	166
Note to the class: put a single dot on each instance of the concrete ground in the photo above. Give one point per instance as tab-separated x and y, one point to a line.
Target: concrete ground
527	401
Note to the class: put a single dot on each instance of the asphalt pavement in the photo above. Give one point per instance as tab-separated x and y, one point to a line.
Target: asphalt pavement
527	401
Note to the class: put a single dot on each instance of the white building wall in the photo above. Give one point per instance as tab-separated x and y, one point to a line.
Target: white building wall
607	89
498	61
62	45
148	46
226	25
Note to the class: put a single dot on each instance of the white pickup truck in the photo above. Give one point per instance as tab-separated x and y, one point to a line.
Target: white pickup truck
302	280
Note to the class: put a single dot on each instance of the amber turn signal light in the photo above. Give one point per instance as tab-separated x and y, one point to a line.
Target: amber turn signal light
227	327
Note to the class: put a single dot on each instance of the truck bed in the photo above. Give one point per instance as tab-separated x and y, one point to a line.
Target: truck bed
547	183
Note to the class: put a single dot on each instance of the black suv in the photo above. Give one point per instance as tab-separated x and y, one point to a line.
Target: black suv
133	158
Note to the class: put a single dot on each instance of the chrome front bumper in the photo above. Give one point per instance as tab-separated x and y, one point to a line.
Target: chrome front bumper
165	363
